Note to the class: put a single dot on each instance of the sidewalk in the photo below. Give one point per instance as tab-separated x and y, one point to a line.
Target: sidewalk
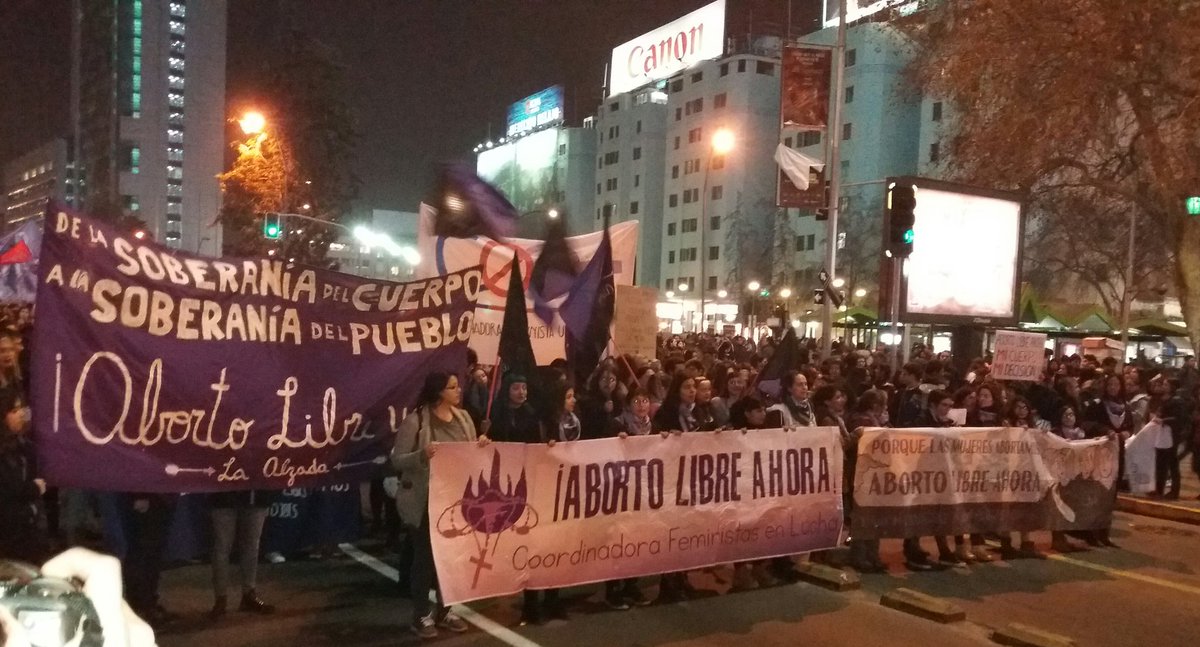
1184	510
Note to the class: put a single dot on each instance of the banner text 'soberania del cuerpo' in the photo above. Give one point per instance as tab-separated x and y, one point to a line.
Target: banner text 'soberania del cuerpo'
441	255
507	517
157	371
916	482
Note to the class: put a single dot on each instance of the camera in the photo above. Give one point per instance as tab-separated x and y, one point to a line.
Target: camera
54	613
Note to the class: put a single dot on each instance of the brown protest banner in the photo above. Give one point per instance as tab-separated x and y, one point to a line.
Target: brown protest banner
914	482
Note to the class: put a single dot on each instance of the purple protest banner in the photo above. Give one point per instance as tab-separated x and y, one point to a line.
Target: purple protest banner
158	371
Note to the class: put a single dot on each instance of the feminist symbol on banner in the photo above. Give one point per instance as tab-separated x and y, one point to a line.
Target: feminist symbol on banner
495	277
489	511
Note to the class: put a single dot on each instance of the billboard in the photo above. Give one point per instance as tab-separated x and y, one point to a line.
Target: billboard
677	45
804	88
856	9
966	259
524	170
536	111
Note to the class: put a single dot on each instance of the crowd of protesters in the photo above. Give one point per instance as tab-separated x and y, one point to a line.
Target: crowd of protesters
706	383
695	383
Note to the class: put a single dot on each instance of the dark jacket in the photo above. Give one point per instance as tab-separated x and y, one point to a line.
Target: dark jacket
19	495
515	425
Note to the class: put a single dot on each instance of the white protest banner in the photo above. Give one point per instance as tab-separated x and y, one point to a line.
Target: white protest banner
635	320
913	482
440	256
1019	356
509	516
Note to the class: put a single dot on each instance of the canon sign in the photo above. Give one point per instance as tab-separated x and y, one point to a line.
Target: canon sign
676	46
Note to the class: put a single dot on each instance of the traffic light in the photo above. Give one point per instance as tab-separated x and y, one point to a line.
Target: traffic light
901	204
1193	205
272	230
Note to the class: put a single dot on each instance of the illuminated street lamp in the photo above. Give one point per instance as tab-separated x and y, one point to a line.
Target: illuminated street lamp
839	282
753	286
683	287
785	293
253	122
552	214
722	294
860	293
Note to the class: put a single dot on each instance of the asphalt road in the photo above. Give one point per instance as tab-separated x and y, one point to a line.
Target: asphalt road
1145	593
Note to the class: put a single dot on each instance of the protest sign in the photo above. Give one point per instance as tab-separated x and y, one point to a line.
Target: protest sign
509	516
913	482
635	322
494	259
158	371
1019	356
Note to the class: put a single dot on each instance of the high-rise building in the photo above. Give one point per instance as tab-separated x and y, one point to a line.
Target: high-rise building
35	178
631	135
149	114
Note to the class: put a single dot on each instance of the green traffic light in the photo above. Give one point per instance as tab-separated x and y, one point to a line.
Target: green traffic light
1193	205
909	236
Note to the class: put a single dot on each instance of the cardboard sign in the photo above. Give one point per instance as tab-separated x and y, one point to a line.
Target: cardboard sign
1019	356
635	323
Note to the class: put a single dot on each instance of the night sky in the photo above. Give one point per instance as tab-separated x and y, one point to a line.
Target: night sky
427	77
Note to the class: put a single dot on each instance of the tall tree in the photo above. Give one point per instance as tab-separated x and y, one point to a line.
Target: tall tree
1074	94
304	164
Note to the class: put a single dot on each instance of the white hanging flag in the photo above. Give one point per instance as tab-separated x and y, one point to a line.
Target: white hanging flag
796	165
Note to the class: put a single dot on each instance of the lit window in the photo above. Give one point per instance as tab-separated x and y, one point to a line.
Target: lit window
176	27
178	9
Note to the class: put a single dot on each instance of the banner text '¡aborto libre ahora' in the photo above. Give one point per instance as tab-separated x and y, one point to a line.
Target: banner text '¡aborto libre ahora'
585	491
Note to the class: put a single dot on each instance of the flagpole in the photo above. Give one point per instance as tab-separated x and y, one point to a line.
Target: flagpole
492	391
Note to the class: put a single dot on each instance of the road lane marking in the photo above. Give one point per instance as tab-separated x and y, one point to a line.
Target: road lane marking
1149	579
485	624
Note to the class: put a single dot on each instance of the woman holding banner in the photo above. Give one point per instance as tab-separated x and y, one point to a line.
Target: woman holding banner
1108	416
635	420
436	419
677	415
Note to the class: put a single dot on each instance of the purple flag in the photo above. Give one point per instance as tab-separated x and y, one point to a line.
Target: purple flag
158	371
468	206
587	311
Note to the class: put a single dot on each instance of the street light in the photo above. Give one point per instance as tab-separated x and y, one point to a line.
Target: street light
860	293
683	287
722	143
553	214
785	293
753	286
670	294
839	282
253	122
722	294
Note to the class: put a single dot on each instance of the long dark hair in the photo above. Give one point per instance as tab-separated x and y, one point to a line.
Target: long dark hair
431	390
10	400
670	404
